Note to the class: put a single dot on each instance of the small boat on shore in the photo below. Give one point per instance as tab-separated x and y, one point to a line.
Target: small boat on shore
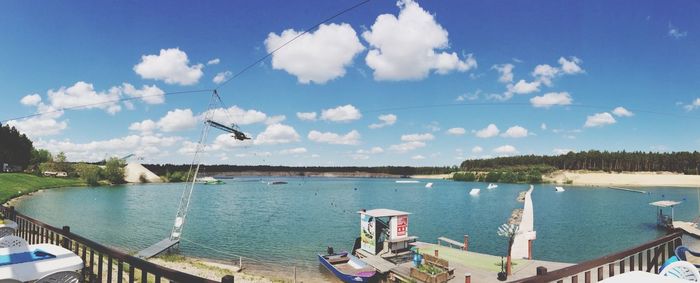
347	267
407	181
475	192
492	186
559	189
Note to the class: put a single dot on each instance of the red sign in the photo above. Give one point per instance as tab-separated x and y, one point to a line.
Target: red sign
401	225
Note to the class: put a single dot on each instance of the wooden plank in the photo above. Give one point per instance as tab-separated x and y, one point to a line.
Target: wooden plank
157	248
450	241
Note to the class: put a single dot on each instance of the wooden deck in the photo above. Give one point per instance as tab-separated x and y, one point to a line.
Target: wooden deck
380	264
450	241
157	248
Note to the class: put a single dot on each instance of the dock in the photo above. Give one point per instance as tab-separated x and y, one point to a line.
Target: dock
157	248
628	190
380	264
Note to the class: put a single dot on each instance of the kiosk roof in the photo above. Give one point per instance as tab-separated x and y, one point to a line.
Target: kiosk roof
383	212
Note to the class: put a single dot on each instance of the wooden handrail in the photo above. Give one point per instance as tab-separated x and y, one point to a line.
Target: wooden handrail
117	255
595	263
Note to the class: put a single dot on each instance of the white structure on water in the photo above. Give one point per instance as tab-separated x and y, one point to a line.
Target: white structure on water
522	245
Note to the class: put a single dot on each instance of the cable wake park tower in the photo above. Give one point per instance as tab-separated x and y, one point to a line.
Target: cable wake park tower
176	232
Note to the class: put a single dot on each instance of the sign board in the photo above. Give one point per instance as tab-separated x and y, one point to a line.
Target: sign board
399	227
368	239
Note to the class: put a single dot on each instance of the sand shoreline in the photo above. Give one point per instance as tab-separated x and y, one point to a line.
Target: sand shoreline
625	179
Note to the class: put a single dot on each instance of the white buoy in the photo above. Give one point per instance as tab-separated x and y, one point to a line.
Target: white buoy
475	192
492	186
429	185
559	189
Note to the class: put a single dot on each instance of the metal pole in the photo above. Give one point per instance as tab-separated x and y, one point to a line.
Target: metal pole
295	274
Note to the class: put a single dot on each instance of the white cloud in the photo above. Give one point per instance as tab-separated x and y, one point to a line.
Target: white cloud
214	61
145	126
177	120
599	120
404	47
31	99
543	126
523	87
506	71
515	132
490	131
373	150
237	115
83	95
343	113
545	73
39	126
222	77
417	137
149	94
171	66
505	150
275	119
477	149
318	56
297	150
226	141
693	105
456	131
560	151
551	99
306	116
418	157
571	66
406	146
676	32
351	138
622	112
140	145
469	96
387	120
277	134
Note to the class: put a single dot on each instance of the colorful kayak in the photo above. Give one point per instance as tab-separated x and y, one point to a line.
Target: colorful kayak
347	268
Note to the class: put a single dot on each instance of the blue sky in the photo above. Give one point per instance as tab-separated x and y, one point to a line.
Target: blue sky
450	79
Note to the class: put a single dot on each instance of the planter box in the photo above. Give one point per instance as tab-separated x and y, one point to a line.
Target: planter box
442	277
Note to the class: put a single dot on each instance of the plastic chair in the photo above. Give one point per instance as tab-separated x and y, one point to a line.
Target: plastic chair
61	277
682	270
681	253
13	242
6	231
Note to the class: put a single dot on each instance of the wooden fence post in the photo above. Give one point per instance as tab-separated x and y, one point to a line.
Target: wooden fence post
11	213
467	277
227	279
541	270
65	242
466	243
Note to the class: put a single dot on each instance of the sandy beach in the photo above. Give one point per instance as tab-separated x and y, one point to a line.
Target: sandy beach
629	179
435	176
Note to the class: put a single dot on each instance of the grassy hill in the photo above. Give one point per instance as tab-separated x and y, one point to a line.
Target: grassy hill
16	184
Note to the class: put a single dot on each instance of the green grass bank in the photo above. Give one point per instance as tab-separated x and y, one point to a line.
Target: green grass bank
16	184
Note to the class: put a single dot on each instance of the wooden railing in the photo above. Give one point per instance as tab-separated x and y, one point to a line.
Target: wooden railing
102	264
646	257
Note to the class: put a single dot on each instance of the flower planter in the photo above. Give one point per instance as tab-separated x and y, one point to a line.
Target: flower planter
421	276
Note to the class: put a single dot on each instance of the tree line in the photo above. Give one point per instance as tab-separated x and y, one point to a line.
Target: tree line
594	160
166	169
15	147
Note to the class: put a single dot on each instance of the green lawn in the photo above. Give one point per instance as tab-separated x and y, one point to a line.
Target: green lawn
468	259
16	184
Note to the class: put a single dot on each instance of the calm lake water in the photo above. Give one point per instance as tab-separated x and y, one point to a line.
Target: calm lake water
286	225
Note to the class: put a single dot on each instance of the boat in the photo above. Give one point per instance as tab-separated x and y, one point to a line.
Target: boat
559	189
210	181
277	183
407	181
475	192
347	267
492	186
429	185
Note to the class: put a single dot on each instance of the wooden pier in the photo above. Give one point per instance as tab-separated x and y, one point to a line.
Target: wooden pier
157	248
628	190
